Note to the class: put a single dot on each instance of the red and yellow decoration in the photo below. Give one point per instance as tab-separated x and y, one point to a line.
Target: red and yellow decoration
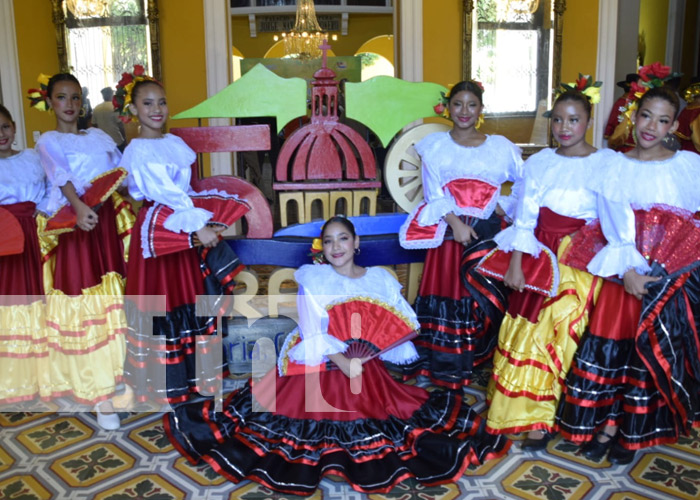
39	97
122	98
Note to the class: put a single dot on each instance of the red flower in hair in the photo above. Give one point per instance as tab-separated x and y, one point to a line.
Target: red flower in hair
439	108
654	70
582	82
636	88
139	70
479	84
126	80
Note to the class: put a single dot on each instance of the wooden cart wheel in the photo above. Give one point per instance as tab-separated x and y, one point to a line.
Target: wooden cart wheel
402	167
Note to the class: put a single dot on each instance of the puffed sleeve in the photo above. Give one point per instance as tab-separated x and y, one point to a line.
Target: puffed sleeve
514	173
58	173
315	343
153	181
438	202
521	235
620	254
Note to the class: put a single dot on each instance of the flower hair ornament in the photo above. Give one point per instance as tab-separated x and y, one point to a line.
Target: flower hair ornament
125	87
39	98
583	84
316	252
650	76
442	108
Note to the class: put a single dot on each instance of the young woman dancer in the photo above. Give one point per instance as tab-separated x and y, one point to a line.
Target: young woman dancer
539	334
173	356
458	310
288	431
634	379
86	294
22	329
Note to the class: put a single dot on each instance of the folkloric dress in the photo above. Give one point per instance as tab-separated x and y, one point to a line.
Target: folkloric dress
175	354
84	271
539	334
287	431
23	345
459	310
638	366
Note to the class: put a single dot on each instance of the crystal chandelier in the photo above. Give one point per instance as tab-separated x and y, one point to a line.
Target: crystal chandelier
304	39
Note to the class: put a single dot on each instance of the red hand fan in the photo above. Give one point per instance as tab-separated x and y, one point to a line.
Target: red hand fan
102	187
369	329
669	237
541	273
12	241
161	241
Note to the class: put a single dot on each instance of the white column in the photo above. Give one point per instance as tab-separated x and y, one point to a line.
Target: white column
9	71
218	53
605	66
411	39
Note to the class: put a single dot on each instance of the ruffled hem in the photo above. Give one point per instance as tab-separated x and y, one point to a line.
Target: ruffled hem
435	210
401	355
515	238
616	260
187	220
312	351
435	444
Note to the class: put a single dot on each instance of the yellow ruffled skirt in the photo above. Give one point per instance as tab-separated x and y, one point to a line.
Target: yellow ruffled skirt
69	345
532	359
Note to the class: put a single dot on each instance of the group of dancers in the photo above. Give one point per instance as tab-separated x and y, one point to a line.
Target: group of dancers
581	286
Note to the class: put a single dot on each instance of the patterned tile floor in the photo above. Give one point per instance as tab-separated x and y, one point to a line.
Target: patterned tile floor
58	455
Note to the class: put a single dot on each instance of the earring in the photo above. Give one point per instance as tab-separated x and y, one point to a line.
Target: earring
357	251
479	121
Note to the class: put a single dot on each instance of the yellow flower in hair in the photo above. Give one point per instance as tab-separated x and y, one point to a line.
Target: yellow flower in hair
43	79
593	93
317	244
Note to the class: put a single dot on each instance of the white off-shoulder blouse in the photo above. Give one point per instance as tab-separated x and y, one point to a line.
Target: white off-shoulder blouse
76	158
160	171
628	184
495	161
22	178
560	183
320	286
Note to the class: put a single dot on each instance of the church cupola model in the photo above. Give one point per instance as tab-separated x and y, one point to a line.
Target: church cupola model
325	149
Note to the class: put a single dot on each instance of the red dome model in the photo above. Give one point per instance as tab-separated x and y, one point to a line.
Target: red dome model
325	149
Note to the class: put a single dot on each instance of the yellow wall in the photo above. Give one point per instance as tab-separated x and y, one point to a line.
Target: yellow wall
36	47
182	55
653	20
442	41
580	39
361	27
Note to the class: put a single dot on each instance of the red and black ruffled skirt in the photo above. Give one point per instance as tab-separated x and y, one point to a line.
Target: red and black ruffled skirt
172	353
383	435
459	310
638	367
